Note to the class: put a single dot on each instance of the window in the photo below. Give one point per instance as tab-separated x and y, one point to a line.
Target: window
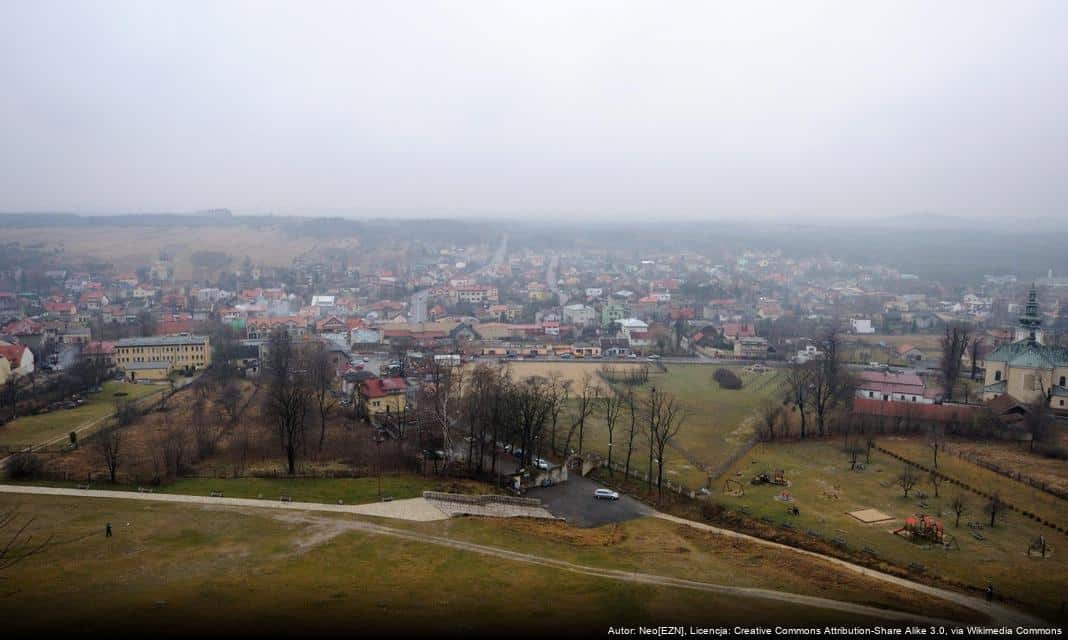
914	398
1062	381
871	394
997	376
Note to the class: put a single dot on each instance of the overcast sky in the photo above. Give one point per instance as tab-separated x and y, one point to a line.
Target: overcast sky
653	110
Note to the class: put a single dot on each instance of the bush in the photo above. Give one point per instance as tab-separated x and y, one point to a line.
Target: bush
727	379
23	465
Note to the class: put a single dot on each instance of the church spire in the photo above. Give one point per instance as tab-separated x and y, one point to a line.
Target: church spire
1031	321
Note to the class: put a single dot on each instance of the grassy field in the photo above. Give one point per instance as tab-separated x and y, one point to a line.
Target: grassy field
1022	495
568	371
719	422
176	568
324	490
814	469
33	430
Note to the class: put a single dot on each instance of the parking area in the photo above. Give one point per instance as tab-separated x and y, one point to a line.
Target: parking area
574	501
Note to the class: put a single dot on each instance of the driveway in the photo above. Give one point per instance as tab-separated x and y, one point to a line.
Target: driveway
574	501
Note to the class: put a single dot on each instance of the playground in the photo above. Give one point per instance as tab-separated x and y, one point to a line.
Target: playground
865	511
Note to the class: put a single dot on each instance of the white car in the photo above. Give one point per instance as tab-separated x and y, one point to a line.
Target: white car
605	494
542	464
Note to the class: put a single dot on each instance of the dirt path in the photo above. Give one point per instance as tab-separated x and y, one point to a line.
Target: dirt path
997	613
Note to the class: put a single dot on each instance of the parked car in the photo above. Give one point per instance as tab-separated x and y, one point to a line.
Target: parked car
542	464
605	494
566	356
633	356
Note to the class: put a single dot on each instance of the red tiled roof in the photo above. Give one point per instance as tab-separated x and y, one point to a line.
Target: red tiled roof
12	353
931	412
381	387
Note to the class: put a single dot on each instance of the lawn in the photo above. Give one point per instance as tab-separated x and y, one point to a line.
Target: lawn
815	469
45	427
1019	494
182	568
719	422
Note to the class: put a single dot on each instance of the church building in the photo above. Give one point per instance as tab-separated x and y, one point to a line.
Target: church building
1026	369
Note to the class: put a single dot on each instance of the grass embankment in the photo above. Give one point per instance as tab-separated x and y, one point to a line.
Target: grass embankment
181	567
45	427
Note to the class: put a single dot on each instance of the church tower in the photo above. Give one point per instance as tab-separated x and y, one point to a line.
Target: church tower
1030	322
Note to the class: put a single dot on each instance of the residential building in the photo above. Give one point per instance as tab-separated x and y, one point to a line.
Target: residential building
133	355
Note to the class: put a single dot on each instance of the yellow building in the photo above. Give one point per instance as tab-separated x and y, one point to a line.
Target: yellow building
1026	369
156	357
384	395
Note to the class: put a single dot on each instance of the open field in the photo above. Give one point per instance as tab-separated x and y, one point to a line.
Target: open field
135	246
568	371
34	430
719	422
816	469
171	567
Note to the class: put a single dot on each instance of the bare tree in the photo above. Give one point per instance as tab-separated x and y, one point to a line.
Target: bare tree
976	353
827	380
960	507
935	479
954	345
907	480
665	420
289	397
634	428
206	428
797	382
587	402
994	506
612	405
17	542
1038	419
321	375
441	397
770	415
108	444
229	400
559	393
530	407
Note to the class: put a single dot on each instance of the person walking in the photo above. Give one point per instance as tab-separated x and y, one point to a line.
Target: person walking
107	531
990	592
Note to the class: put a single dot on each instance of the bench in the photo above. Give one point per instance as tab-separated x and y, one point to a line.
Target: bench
839	542
215	493
870	551
84	486
145	490
812	533
286	498
978	536
916	567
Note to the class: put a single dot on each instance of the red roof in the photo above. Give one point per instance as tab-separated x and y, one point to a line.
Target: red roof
12	353
382	387
735	330
931	412
99	347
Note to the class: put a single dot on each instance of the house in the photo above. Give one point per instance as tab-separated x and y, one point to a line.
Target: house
579	315
635	331
909	353
861	326
384	395
752	348
732	331
890	386
19	358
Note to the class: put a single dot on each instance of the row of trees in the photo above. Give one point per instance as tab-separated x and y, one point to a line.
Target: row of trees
814	389
540	414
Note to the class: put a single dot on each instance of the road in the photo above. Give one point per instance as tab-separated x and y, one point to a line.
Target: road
417	306
999	613
550	280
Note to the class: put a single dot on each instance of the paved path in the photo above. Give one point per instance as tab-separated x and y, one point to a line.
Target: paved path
420	509
414	509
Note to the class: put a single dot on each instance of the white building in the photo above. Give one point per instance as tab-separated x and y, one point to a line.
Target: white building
579	314
861	325
635	331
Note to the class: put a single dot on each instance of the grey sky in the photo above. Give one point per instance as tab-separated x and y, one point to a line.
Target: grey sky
656	109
